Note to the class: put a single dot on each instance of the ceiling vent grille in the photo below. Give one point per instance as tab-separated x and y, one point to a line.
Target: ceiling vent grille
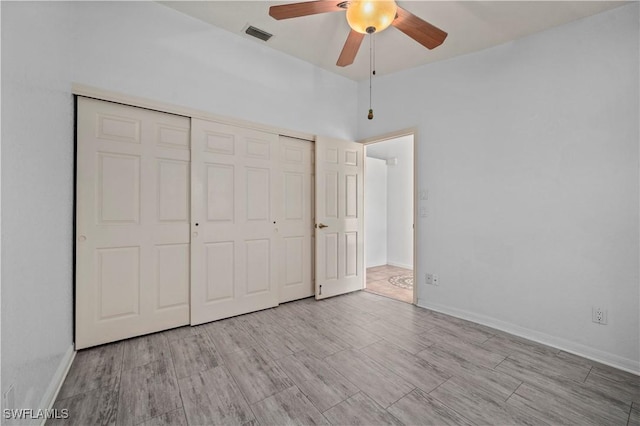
258	33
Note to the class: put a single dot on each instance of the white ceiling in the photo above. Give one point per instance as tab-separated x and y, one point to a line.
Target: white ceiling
318	39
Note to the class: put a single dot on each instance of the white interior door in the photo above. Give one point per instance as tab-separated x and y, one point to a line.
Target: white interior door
339	175
132	222
295	224
234	262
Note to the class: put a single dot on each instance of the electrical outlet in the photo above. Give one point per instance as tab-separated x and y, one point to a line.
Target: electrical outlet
435	279
429	279
599	315
9	398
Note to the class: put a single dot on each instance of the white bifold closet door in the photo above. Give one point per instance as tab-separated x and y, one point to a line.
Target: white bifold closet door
295	219
234	244
132	222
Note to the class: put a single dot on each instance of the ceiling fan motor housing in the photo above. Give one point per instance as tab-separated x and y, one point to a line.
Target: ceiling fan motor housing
369	16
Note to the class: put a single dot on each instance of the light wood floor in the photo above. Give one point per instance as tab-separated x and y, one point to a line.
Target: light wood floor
353	359
378	282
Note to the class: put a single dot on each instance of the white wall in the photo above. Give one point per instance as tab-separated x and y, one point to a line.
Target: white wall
375	207
37	197
143	49
529	151
400	204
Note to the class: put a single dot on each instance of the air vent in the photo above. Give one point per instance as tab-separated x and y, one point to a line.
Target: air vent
258	33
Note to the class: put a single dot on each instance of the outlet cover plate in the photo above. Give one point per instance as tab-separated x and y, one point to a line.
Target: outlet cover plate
599	315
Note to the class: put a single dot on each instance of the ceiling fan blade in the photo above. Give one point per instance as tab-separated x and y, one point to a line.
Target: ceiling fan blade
294	10
421	31
350	49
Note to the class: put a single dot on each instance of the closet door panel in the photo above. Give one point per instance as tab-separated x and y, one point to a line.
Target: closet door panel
132	222
233	246
295	224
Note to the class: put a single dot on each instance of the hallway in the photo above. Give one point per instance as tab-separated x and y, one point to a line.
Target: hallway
391	281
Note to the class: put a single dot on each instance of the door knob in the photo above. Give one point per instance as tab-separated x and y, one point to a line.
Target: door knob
322	225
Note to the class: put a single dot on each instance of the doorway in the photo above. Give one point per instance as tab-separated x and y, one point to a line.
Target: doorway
389	218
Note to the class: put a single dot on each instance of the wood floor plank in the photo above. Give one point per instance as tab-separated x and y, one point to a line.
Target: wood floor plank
397	335
360	410
357	336
93	368
182	332
212	397
193	354
508	345
302	312
172	418
634	418
584	398
410	321
350	314
316	342
419	408
315	311
285	316
547	415
324	386
229	335
619	384
413	369
146	392
277	341
528	367
289	407
447	341
379	383
463	330
479	406
496	383
257	375
145	349
96	407
363	301
574	402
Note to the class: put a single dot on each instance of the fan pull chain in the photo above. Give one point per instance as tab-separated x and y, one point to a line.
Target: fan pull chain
371	74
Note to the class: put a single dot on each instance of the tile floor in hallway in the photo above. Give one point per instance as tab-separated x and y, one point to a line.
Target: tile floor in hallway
353	359
391	281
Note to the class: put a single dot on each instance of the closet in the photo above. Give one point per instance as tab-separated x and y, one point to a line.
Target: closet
185	220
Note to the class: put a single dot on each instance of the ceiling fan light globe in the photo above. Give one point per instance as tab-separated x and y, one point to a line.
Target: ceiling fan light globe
363	14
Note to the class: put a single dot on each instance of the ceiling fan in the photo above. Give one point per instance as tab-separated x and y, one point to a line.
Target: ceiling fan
365	17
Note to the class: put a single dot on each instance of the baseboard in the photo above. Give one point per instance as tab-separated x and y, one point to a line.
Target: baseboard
579	349
50	395
400	265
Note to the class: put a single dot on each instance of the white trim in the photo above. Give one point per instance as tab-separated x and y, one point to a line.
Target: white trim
400	265
51	393
579	349
392	135
121	98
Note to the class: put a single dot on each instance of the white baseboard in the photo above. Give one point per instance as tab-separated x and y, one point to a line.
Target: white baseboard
400	265
51	393
579	349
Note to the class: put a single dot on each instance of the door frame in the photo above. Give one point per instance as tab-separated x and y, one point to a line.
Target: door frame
412	131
